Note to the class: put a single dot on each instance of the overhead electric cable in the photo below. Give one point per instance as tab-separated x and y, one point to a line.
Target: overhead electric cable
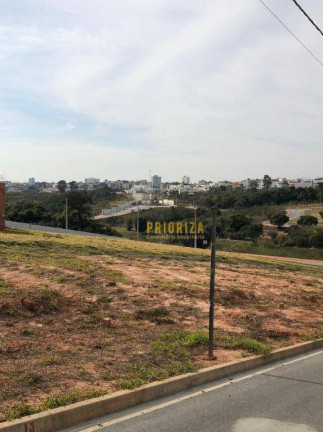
293	34
308	17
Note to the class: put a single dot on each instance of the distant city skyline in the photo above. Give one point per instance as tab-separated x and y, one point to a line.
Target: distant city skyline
113	89
184	179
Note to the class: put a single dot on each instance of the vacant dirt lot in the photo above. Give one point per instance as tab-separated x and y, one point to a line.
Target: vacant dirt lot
81	317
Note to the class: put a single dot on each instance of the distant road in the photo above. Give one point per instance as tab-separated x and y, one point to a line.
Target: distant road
295	213
124	211
25	226
284	397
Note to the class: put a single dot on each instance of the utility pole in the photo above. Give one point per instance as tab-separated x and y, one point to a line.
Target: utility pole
66	214
195	233
212	286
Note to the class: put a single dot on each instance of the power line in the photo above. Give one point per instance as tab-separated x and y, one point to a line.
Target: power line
308	17
281	22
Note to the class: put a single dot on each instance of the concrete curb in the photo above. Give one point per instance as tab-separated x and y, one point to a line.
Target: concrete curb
61	418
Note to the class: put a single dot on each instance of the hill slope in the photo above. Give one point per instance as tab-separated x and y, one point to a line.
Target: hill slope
80	317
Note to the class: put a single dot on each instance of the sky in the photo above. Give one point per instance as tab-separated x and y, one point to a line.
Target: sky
210	89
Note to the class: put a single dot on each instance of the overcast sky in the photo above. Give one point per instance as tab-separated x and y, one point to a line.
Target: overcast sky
212	89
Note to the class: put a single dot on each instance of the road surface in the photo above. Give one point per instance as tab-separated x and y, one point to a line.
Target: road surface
294	214
284	397
26	226
131	209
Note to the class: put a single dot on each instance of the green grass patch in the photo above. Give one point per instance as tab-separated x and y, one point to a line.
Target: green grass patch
170	354
20	410
252	346
4	286
242	246
105	300
76	396
50	361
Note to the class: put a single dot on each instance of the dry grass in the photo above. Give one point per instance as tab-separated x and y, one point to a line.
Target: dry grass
81	317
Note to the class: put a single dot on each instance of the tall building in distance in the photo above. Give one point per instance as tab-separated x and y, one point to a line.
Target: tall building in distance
186	180
31	181
156	181
91	181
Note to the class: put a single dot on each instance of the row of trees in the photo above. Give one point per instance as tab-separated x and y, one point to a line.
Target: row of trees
52	210
226	197
62	186
281	218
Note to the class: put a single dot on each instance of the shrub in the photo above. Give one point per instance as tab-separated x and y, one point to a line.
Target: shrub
305	237
279	219
307	220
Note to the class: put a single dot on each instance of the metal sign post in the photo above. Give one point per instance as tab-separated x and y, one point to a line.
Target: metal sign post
195	231
212	286
138	223
66	214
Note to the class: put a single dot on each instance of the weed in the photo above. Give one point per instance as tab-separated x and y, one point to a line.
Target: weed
43	300
105	300
69	398
21	410
306	338
129	384
26	332
196	339
4	287
29	379
154	315
63	279
107	374
50	360
9	310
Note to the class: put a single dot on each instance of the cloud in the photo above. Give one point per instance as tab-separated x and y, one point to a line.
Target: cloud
213	90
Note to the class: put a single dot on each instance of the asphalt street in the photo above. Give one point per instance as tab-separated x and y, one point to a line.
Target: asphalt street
27	226
286	397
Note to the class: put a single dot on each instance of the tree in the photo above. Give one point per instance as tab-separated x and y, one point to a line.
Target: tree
320	192
253	185
307	220
28	212
267	182
73	185
279	219
62	186
305	237
237	222
79	210
254	231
